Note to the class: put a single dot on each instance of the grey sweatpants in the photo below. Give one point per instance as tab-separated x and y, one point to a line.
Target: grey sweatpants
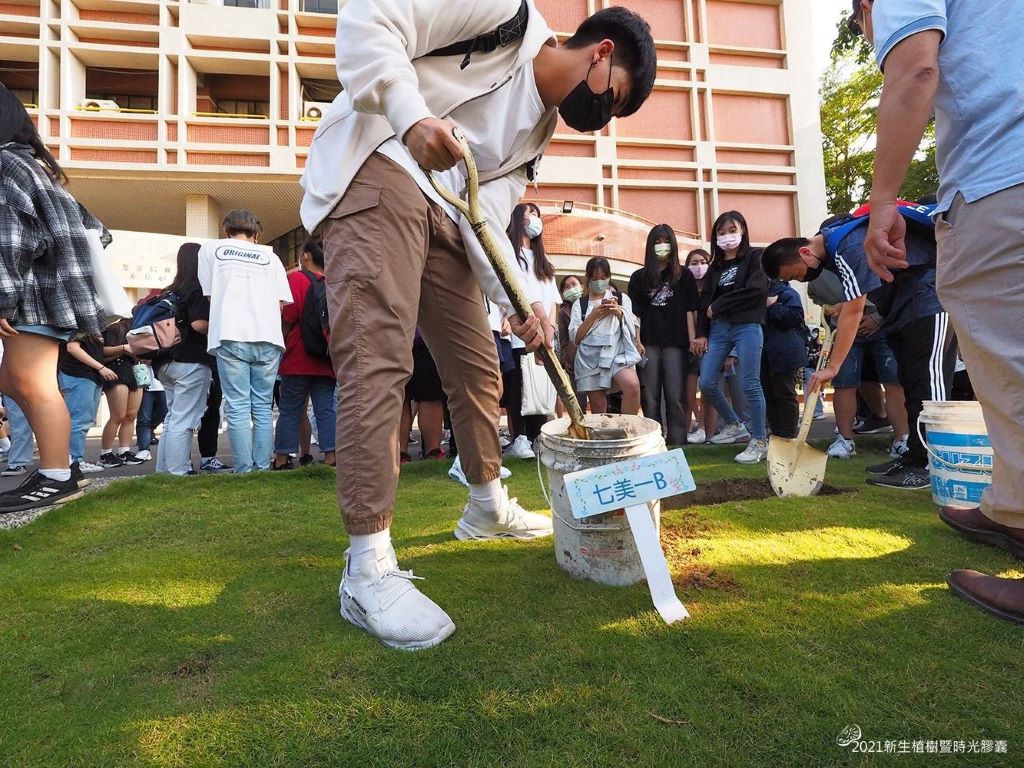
980	281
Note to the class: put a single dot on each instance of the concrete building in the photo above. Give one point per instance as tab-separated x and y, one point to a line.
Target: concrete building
166	114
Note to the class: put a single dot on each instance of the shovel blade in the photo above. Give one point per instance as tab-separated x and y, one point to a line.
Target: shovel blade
795	468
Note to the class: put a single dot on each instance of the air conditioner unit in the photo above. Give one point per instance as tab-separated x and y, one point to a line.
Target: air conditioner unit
102	105
314	110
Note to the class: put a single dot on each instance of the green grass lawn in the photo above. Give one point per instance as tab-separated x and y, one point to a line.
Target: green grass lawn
194	622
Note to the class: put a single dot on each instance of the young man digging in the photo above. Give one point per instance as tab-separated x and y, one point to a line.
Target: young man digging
915	325
397	256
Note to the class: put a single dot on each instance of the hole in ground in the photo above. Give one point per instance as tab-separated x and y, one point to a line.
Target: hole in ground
721	491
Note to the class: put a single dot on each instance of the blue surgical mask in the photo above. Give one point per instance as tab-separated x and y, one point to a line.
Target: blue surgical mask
599	286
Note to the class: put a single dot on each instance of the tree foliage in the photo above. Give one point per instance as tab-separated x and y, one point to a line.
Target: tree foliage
849	94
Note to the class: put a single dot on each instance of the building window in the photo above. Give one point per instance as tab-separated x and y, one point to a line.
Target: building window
241	107
145	103
25	96
321	6
247	3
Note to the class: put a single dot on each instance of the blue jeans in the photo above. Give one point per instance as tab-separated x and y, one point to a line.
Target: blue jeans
819	408
186	386
82	397
152	412
21	435
294	391
248	370
748	339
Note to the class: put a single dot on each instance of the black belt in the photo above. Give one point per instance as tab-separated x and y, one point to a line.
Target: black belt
508	33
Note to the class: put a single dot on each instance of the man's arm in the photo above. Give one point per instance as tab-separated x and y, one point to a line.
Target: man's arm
846	333
906	105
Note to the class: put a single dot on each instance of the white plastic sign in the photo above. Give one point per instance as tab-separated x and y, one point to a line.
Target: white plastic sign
628	483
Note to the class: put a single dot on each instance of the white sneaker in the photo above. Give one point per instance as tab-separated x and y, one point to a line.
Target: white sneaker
89	468
510	522
503	439
382	600
144	455
520	448
696	437
456	473
732	433
756	451
842	448
899	447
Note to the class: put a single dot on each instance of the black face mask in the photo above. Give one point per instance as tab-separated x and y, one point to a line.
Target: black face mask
813	273
583	110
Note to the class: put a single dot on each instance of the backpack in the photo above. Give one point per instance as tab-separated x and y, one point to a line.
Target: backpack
155	330
314	323
918	218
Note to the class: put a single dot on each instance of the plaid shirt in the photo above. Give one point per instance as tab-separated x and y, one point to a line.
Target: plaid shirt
45	265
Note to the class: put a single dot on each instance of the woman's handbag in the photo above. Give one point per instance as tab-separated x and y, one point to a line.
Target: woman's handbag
109	292
539	393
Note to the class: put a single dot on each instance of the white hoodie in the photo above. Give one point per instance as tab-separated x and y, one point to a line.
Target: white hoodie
389	85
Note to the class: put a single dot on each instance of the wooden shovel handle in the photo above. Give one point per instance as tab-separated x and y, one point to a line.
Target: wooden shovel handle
811	398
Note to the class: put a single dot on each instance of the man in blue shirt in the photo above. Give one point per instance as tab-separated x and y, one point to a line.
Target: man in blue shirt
963	60
914	323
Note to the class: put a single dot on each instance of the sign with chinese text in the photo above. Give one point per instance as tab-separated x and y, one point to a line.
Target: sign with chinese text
628	483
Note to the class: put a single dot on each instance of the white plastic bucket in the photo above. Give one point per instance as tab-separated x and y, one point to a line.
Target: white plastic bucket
960	454
599	548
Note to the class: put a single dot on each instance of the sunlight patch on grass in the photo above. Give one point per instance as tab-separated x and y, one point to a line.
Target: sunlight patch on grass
833	543
163	593
873	602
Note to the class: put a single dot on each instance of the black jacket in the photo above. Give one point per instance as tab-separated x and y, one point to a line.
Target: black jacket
745	301
785	335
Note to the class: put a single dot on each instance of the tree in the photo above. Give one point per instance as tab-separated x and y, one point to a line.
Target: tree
849	93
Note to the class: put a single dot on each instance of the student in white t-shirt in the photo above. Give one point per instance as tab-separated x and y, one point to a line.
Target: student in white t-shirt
247	286
525	231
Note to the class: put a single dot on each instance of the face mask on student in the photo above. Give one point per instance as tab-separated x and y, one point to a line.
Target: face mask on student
729	242
599	286
813	273
571	294
699	270
534	227
662	251
583	110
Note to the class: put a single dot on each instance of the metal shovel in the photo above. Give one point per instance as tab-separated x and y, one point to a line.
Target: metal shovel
474	214
794	467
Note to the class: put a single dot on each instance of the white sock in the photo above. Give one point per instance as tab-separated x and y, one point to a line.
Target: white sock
120	450
488	496
372	546
60	475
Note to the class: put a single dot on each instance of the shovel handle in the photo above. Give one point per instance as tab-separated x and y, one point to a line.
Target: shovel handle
811	398
470	208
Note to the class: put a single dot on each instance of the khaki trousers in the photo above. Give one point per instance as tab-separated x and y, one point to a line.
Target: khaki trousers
394	260
980	281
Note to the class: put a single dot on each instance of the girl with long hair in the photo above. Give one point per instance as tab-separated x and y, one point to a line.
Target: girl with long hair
665	301
698	263
737	313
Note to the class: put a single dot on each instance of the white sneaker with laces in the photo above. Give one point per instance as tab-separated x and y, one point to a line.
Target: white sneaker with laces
899	447
696	437
509	522
144	455
456	473
755	451
520	448
381	599
89	468
842	448
731	433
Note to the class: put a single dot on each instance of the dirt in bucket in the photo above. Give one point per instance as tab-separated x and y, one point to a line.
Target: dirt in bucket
721	491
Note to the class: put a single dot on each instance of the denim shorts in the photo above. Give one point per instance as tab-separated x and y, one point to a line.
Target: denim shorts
45	330
880	351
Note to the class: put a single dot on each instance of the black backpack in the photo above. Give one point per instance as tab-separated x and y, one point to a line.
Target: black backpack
314	324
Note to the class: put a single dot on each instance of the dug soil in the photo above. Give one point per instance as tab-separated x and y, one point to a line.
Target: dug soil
721	491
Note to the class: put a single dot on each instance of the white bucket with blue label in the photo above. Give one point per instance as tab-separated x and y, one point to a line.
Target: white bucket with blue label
959	451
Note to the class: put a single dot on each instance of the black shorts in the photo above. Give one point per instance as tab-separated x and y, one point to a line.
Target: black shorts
425	384
123	368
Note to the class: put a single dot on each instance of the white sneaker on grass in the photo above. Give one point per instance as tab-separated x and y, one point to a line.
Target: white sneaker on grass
842	448
731	433
456	473
520	448
509	522
696	437
755	451
381	599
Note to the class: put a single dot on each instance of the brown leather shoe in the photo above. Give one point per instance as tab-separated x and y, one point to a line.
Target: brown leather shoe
1000	597
974	525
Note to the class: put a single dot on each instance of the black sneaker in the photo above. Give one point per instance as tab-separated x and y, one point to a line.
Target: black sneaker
78	476
130	459
886	468
904	479
39	491
306	460
283	467
873	425
109	461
